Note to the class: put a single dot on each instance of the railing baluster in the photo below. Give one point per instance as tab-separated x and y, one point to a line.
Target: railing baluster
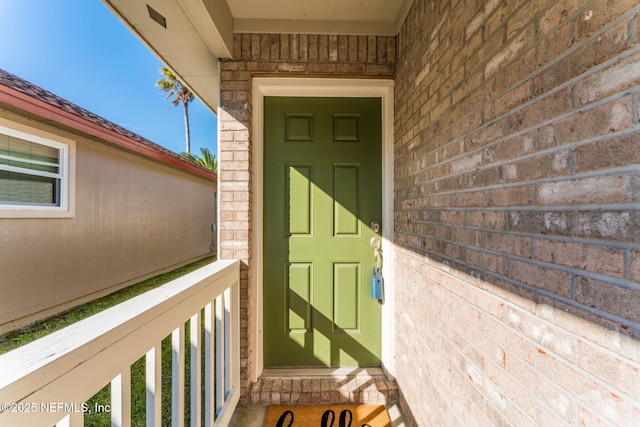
220	362
228	366
74	419
234	292
177	377
195	370
77	419
153	379
121	400
209	412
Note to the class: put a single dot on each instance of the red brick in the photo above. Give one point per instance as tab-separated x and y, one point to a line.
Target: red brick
547	223
469	162
485	135
521	68
621	302
511	196
559	408
526	14
322	68
546	166
634	273
486	261
509	244
589	418
499	18
560	12
245	46
485	177
615	78
588	392
475	91
544	109
600	13
549	337
612	370
555	44
596	259
554	281
511	148
593	53
235	85
608	153
593	190
611	117
610	225
485	219
487	50
465	237
510	100
521	43
466	124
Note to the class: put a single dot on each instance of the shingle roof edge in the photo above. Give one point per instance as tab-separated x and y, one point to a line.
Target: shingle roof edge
112	133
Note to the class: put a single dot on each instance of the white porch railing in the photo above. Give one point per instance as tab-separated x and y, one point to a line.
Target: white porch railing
49	381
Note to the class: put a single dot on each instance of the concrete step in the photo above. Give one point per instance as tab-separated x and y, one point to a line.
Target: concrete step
312	386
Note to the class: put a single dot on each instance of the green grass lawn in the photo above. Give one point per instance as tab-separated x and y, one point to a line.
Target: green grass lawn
19	337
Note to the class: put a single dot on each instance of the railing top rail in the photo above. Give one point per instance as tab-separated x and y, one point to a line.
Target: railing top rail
43	360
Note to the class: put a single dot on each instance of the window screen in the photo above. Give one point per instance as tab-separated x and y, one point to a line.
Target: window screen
31	171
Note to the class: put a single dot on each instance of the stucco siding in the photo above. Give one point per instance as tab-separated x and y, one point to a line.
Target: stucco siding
133	217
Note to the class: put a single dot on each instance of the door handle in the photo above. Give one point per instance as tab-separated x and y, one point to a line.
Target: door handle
375	226
375	244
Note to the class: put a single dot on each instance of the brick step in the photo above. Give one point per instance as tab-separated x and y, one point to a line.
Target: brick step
301	388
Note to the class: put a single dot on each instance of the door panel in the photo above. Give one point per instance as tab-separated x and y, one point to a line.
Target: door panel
299	202
346	202
299	297
322	189
347	297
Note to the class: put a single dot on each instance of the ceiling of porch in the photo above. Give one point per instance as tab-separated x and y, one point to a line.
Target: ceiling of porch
370	17
191	35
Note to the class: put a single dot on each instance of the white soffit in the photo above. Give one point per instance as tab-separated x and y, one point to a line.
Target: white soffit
190	45
353	17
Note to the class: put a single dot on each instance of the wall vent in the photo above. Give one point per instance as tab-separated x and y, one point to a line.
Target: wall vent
155	15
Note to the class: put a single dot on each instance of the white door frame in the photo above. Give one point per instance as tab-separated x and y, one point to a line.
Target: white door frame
328	87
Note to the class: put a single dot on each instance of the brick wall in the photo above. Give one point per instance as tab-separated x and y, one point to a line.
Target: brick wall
517	152
269	55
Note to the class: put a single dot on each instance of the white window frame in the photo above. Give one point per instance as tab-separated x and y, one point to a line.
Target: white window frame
65	174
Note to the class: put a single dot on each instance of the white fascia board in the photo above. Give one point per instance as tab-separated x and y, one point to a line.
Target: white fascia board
214	23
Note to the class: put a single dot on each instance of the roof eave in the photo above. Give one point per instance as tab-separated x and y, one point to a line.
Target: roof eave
16	100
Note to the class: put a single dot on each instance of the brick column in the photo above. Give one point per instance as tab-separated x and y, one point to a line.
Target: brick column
234	186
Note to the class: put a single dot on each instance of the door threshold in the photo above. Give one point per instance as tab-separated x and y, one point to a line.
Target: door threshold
344	371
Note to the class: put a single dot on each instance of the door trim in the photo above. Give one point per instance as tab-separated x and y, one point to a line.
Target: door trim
329	87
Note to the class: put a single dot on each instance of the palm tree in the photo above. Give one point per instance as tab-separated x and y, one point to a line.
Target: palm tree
182	95
207	161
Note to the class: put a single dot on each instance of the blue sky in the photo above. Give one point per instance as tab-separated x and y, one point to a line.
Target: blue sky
80	51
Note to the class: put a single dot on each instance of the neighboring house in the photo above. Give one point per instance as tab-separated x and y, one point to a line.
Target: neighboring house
87	207
496	143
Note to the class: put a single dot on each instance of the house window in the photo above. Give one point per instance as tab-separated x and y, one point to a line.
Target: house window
34	173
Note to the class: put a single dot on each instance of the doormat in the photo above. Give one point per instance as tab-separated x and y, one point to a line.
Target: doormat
347	415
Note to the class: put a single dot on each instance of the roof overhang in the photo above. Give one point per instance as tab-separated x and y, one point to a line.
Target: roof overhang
191	43
190	36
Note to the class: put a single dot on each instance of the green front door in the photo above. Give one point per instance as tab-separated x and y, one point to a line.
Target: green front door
322	190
